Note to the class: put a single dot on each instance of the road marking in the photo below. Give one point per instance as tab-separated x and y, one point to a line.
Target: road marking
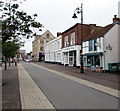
31	95
93	85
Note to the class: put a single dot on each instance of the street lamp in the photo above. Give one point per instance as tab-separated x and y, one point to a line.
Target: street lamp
80	10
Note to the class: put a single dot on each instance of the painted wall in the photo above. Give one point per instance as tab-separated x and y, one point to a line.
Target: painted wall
53	50
111	38
99	48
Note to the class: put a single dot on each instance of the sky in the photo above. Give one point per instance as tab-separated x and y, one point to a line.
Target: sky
56	15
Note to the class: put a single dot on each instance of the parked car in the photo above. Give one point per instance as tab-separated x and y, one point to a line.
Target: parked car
28	60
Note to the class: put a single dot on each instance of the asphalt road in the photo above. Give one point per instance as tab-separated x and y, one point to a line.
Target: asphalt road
67	94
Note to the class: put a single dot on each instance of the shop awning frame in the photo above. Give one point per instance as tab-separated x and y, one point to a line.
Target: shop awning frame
90	54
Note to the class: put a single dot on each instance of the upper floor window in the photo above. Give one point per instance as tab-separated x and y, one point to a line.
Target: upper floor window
41	48
66	41
48	35
41	42
72	38
92	46
58	44
47	41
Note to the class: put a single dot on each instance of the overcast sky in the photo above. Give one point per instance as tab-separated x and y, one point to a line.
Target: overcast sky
56	15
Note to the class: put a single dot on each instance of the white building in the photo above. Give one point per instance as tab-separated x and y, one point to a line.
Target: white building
71	55
119	9
53	50
101	47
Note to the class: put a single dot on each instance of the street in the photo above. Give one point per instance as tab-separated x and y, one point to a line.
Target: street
64	93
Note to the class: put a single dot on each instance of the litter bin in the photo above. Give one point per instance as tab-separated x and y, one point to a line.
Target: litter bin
113	67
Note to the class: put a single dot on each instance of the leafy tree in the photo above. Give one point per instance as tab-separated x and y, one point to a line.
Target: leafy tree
9	50
16	25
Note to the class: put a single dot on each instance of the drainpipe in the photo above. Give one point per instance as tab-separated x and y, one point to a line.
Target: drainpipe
104	52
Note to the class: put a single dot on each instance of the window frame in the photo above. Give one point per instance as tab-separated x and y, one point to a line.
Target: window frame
72	38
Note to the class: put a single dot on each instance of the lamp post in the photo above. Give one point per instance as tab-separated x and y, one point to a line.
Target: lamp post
80	10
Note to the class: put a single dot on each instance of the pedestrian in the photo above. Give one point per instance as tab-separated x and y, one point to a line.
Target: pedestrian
15	60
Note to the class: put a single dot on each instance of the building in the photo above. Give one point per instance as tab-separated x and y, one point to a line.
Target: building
0	39
119	9
101	47
53	50
38	45
23	55
71	43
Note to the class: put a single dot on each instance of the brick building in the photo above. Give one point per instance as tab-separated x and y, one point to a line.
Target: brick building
71	43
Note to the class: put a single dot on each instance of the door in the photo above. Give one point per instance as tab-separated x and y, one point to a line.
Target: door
92	62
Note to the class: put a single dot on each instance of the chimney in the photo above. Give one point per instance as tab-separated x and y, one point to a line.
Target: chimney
92	27
115	19
92	24
59	33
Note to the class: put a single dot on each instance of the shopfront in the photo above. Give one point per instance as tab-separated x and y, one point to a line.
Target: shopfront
71	56
41	56
93	61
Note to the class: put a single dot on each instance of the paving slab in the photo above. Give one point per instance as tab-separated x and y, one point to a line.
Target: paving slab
31	95
10	89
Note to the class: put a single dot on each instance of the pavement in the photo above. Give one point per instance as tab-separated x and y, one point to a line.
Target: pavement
10	89
20	92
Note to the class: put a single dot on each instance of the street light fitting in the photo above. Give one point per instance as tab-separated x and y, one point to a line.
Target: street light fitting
78	11
74	16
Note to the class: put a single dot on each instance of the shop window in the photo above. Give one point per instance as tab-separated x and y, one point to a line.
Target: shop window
97	61
88	59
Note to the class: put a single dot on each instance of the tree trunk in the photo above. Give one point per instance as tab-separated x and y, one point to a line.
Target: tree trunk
9	61
5	63
15	63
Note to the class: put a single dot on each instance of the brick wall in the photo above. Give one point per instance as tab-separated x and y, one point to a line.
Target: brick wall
77	29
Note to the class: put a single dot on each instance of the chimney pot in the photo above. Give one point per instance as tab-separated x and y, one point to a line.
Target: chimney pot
115	16
59	33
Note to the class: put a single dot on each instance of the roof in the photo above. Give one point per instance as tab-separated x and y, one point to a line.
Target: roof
77	25
99	32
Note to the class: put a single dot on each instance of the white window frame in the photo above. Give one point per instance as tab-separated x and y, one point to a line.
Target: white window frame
72	38
66	41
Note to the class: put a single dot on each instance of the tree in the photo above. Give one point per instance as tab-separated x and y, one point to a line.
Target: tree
16	24
9	50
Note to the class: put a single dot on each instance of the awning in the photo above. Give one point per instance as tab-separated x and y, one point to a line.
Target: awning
41	53
95	53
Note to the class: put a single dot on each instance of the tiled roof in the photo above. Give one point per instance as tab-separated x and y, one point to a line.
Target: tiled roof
99	32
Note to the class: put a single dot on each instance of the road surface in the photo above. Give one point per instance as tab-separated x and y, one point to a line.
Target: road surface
64	93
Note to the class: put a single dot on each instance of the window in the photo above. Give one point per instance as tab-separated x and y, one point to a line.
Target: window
72	38
41	42
48	35
47	41
58	44
92	46
97	61
66	41
41	48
